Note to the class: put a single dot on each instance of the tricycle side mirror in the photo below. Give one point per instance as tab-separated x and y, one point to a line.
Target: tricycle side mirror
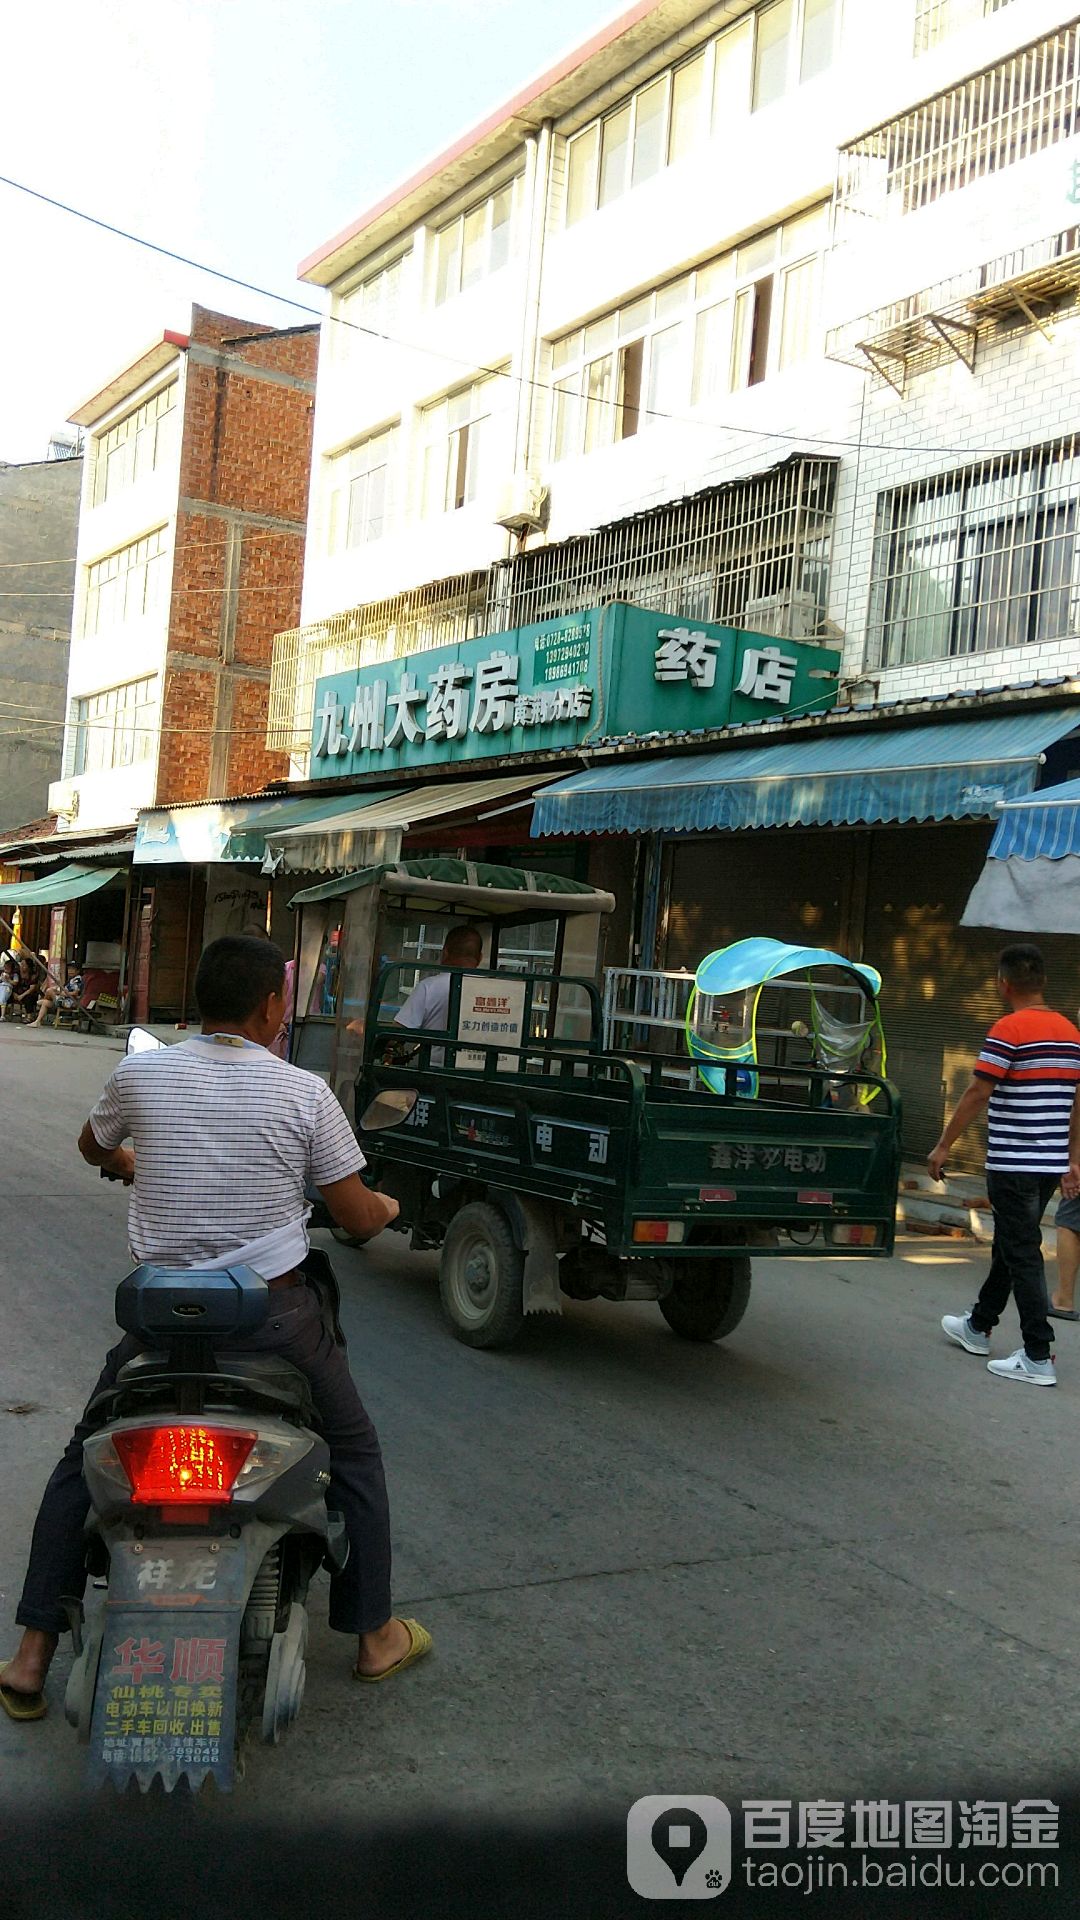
140	1040
388	1109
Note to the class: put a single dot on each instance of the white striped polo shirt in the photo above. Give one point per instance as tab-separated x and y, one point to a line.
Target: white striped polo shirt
1033	1058
226	1138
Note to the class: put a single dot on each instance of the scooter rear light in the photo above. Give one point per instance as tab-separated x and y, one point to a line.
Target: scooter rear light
169	1465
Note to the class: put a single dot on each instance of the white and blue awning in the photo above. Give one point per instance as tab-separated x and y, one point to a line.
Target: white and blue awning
951	770
1031	880
1043	826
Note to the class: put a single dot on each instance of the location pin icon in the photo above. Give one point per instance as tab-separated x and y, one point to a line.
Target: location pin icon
680	1837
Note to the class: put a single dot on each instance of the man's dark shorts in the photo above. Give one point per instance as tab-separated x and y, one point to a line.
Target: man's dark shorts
1068	1214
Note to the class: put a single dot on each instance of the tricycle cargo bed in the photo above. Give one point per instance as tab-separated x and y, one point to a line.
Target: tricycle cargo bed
647	1166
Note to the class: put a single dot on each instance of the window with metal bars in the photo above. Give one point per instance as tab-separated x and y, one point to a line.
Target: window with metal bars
979	560
1021	106
751	554
935	20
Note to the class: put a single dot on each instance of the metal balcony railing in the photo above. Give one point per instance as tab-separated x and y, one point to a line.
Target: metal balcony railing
935	20
1036	286
1017	108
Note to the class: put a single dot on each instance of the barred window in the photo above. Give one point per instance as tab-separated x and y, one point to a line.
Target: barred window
137	445
361	491
754	553
126	585
936	19
114	728
969	562
1019	107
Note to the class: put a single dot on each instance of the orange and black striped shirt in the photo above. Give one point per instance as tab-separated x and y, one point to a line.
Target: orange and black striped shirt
1033	1059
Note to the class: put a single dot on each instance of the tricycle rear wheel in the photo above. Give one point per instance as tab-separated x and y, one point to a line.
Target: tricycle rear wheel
480	1277
707	1302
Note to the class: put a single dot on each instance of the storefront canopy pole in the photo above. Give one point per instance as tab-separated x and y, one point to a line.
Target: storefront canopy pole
121	988
18	946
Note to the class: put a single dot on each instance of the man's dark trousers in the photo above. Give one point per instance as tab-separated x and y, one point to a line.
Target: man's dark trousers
295	1331
1019	1201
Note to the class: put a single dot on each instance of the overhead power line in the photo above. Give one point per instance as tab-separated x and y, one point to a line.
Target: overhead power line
793	436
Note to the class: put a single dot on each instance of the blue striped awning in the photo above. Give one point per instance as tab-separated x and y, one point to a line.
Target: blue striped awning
951	770
1045	826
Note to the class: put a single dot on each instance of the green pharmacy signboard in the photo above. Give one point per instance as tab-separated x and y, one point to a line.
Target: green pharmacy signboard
610	673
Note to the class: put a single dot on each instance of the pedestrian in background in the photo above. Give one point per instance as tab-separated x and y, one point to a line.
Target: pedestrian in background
1026	1076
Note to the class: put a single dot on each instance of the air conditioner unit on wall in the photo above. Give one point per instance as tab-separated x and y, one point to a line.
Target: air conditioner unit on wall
523	505
64	799
787	616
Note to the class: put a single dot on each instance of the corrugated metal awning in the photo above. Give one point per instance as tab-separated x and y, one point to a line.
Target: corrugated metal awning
952	770
386	812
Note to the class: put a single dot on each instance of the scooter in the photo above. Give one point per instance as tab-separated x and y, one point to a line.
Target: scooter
208	1519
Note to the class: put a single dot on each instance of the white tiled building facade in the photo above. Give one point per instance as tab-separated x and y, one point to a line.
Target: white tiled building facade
127	533
836	231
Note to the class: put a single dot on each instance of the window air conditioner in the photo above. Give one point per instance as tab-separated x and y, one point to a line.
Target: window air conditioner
64	799
522	505
785	616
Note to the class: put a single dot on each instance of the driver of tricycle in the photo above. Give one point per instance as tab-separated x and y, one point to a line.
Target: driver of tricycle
427	1008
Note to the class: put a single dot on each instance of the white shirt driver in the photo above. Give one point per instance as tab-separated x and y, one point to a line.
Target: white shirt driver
227	1138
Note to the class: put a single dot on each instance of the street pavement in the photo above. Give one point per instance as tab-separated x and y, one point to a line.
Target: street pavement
829	1555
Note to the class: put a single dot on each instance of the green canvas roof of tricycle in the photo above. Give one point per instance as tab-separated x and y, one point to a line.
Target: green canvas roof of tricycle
477	886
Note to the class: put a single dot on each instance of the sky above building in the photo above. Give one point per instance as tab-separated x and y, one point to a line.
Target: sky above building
240	133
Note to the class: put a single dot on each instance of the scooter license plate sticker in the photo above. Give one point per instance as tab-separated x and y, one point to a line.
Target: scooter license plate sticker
811	1197
717	1196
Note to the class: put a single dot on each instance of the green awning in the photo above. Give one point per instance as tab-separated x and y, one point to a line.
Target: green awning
71	883
247	841
476	885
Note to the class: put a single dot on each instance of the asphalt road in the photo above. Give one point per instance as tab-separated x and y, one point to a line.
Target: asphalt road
828	1555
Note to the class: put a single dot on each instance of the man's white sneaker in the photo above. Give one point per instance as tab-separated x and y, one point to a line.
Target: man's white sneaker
1019	1366
959	1328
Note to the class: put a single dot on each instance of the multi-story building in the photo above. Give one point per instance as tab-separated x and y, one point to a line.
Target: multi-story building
190	557
764	316
39	517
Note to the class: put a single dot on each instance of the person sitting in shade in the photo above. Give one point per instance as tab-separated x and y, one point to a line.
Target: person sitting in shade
61	998
9	980
27	989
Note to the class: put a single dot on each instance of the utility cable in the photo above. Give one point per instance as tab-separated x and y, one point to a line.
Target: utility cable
798	437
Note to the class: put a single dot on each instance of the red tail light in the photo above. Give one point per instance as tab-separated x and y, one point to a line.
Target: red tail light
170	1464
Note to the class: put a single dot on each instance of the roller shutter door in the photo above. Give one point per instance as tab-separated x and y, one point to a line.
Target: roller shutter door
939	995
789	885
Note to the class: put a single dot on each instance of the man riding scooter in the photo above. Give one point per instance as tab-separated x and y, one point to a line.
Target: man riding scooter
226	1136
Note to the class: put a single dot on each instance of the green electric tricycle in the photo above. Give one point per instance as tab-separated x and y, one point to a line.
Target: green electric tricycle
547	1160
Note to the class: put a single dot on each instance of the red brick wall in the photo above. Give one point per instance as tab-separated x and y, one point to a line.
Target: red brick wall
246	450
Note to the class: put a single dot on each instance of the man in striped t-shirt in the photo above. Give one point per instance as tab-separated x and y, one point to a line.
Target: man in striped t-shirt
1027	1077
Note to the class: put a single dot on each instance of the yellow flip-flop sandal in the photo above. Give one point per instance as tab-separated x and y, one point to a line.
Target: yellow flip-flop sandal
419	1644
21	1706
